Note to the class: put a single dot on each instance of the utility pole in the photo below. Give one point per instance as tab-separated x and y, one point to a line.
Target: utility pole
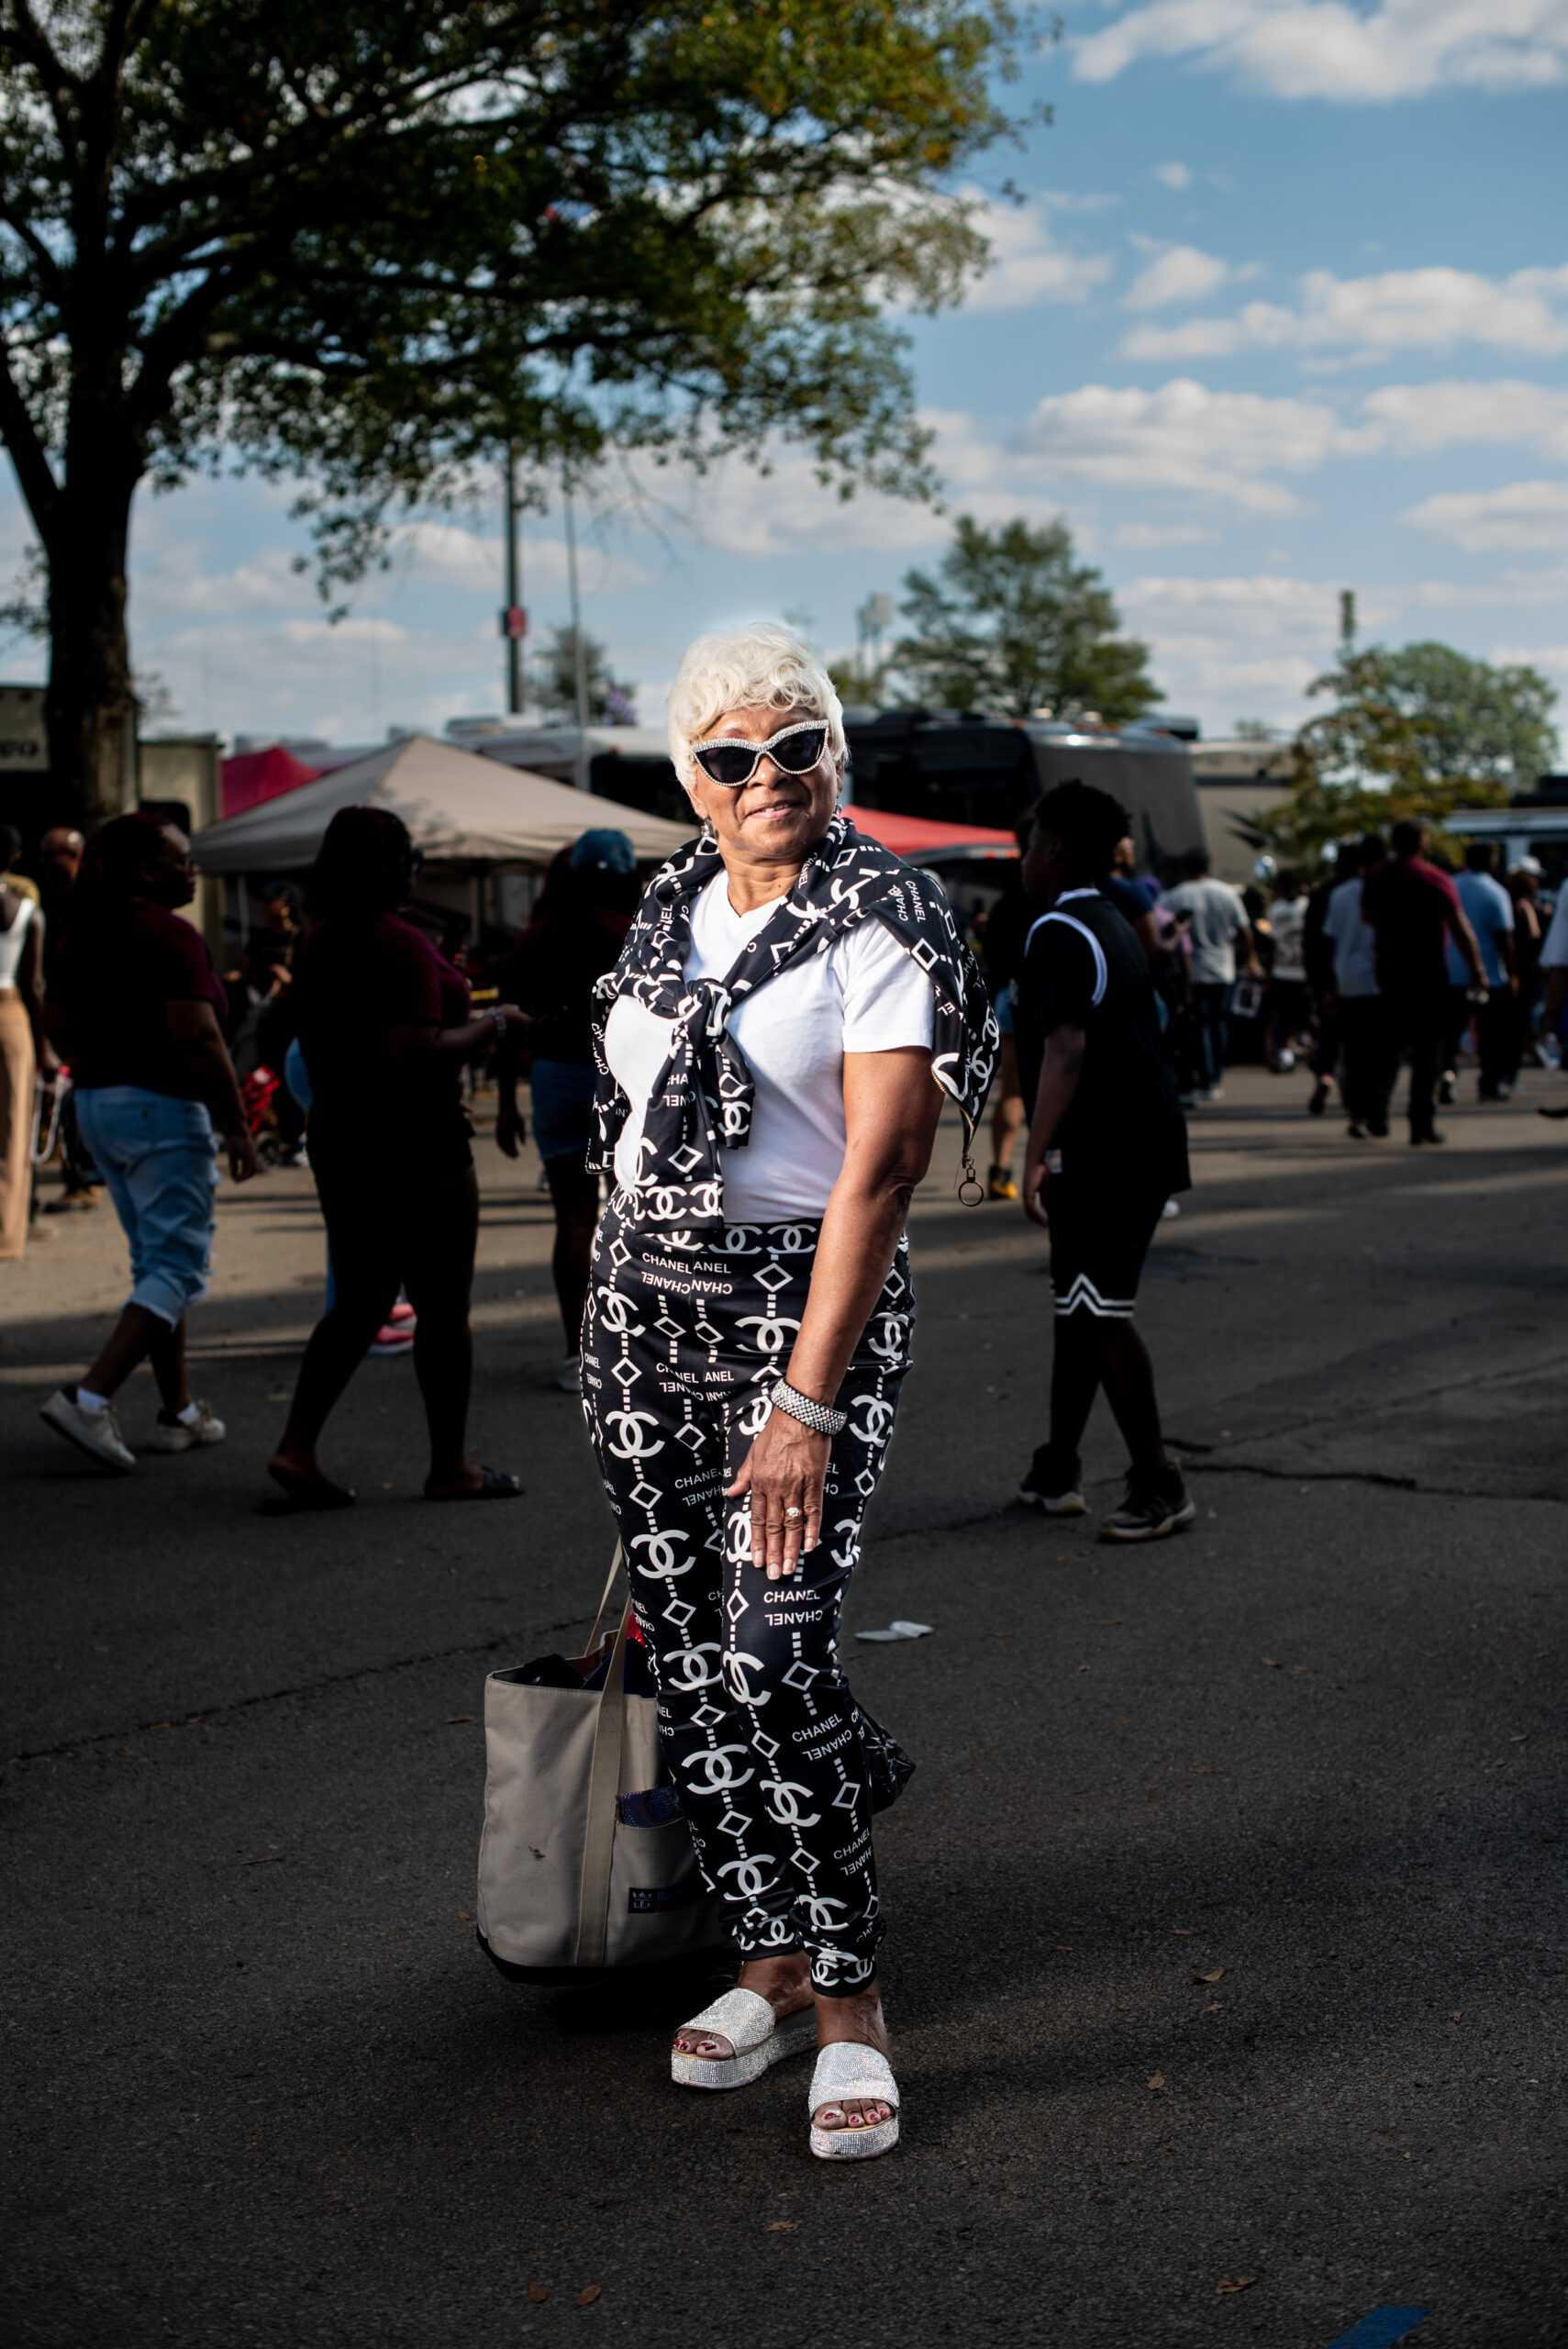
579	650
514	618
873	615
1347	620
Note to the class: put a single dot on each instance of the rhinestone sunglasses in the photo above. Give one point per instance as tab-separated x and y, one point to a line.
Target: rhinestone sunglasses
732	762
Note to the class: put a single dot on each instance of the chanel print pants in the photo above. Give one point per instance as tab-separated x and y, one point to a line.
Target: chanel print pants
682	1333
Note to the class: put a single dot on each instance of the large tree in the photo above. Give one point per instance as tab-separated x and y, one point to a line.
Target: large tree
372	242
1014	622
1410	731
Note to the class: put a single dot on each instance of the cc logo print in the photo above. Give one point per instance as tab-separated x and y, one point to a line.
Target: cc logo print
684	1669
717	1775
661	1557
749	1877
735	1666
771	1331
875	1422
628	1443
784	1802
819	1911
615	1311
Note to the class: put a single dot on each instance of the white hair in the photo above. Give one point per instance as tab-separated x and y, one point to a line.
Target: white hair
760	667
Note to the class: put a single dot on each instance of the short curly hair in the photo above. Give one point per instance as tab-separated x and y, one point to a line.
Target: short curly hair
763	666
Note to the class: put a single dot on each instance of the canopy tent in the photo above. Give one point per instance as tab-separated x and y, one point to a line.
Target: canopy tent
459	809
258	775
920	838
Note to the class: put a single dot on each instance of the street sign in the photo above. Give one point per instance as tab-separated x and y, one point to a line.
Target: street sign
515	622
24	742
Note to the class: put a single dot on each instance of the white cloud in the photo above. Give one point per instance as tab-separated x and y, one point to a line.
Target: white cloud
1325	48
1552	658
1144	537
1415	420
1176	175
1367	317
1527	517
1027	263
1182	437
1180	274
1250	643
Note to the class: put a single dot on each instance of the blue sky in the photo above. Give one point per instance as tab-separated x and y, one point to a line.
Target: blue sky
1285	310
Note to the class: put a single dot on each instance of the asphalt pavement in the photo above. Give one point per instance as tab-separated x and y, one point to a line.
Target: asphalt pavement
1225	1972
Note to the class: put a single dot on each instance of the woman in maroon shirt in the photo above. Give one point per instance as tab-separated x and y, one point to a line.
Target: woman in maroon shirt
384	1026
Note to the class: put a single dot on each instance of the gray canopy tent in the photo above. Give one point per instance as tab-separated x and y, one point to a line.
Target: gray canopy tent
475	822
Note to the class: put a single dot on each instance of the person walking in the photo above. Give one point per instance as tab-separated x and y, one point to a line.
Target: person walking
1413	910
1523	882
1490	912
1218	926
789	1010
60	856
384	1029
576	935
1107	1147
26	1051
138	1008
1289	1015
1351	1002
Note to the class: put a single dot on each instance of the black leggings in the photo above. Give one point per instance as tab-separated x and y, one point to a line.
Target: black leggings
762	1737
386	1235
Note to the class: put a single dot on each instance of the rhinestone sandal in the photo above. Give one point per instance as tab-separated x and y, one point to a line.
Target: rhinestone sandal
759	2039
847	2069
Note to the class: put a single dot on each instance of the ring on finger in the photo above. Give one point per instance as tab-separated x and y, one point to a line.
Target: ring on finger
794	1516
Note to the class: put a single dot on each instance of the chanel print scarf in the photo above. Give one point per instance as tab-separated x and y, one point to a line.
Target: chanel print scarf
702	1099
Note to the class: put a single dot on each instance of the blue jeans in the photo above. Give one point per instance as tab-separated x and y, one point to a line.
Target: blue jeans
159	1157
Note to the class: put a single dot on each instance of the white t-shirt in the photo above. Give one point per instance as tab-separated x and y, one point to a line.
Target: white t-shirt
1554	948
864	994
1218	918
1355	941
1288	927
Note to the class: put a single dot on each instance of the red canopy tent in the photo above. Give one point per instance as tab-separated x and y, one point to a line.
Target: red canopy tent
262	775
917	836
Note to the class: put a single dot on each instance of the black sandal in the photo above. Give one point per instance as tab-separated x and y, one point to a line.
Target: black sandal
301	1495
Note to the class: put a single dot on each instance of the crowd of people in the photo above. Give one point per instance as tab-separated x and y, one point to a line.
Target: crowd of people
735	1078
1392	958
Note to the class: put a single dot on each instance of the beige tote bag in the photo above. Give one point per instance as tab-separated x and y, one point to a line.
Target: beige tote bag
569	1884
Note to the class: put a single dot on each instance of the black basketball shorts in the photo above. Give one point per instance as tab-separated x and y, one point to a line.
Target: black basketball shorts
1099	1237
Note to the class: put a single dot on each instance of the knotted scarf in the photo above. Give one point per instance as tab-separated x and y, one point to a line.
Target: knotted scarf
703	1098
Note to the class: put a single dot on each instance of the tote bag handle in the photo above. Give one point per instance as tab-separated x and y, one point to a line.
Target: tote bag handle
603	1784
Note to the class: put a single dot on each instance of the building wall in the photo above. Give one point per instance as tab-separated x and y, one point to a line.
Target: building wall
184	768
1228	806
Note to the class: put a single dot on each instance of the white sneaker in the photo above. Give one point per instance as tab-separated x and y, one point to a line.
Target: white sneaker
170	1434
568	1377
97	1433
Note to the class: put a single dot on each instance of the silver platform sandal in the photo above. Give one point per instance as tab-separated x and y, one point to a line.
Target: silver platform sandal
844	2070
758	2038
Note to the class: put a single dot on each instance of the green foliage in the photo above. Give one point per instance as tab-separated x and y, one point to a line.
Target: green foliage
373	244
1413	731
1014	624
608	697
369	244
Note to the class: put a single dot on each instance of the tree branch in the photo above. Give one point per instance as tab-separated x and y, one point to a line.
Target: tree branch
34	477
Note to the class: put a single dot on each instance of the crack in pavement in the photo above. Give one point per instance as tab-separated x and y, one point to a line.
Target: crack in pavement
1396	1403
1207	1467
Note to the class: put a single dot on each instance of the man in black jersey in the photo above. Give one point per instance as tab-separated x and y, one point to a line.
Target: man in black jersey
1108	1146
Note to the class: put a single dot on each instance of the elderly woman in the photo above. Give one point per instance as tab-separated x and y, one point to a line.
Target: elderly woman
767	1046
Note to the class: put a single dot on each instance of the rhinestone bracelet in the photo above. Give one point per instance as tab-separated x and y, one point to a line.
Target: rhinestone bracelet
819	1415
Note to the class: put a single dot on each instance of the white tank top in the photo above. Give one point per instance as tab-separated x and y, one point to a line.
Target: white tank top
11	942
